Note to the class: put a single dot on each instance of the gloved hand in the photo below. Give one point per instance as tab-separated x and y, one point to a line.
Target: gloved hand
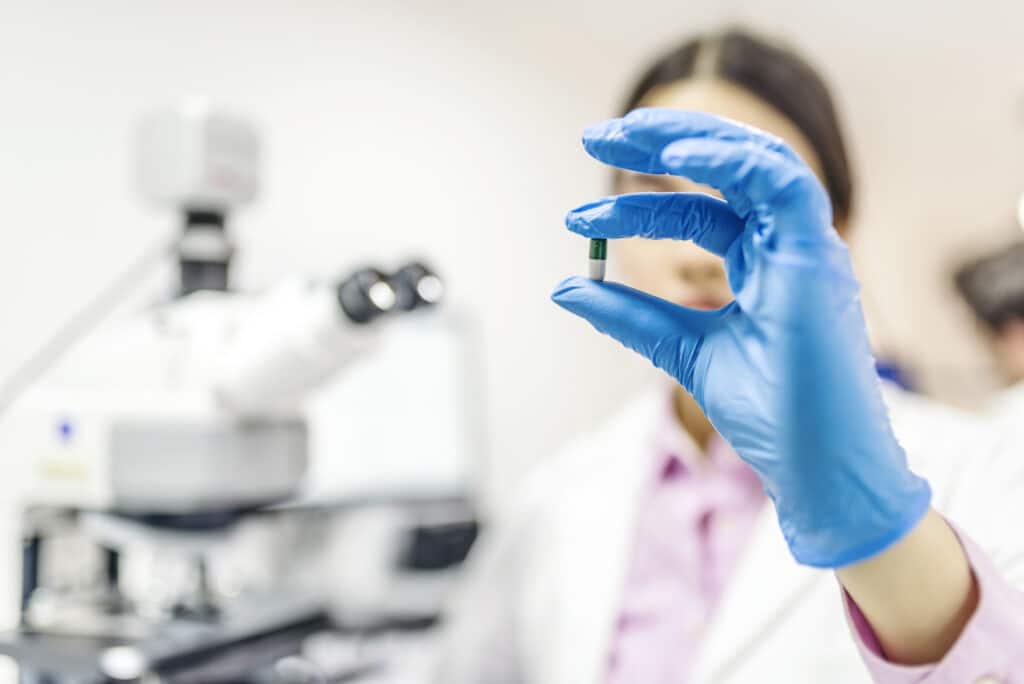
784	372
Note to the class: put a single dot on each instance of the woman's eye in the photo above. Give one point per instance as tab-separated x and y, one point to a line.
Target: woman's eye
713	272
700	273
644	183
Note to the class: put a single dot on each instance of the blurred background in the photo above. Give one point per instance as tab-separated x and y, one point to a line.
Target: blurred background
448	132
451	130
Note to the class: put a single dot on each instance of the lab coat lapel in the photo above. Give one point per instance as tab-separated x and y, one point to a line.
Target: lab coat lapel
599	520
765	587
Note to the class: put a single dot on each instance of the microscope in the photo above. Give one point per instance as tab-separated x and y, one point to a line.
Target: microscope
180	429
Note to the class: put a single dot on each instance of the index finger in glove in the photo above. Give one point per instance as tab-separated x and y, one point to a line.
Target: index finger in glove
635	141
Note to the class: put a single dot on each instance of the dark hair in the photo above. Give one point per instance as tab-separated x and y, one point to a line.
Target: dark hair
993	285
774	74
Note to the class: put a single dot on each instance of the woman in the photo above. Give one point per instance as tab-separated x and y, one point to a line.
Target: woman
648	552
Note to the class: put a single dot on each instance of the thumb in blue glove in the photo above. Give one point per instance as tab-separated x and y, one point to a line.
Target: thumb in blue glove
784	372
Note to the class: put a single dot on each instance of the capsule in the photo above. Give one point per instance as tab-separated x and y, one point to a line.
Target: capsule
598	254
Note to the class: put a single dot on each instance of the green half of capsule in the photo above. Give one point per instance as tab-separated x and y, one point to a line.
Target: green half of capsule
598	255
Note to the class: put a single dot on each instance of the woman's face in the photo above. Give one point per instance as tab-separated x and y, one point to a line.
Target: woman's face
673	269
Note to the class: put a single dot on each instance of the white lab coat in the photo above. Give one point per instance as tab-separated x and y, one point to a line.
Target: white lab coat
543	589
1007	409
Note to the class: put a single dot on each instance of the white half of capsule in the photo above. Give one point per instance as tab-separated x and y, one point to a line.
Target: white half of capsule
596	270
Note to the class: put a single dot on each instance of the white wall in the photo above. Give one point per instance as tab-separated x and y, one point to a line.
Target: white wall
451	130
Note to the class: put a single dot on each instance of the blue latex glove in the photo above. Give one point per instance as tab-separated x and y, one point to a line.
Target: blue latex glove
784	372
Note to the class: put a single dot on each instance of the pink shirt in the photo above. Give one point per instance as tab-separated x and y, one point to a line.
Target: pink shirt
696	519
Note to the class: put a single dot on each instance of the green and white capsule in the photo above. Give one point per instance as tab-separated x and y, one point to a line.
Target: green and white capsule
598	255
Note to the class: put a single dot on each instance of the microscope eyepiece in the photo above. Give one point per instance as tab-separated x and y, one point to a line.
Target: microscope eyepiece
417	286
369	292
366	294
